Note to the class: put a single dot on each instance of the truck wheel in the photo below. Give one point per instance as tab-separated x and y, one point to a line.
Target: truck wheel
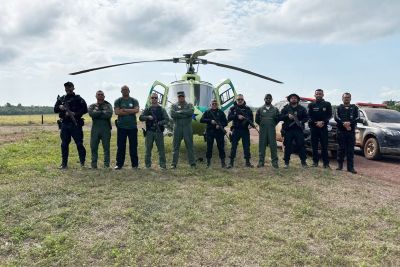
371	149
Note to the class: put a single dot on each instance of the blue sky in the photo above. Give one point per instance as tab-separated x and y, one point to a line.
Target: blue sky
343	45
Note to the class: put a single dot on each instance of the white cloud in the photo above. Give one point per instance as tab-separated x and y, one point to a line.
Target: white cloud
388	93
315	20
101	32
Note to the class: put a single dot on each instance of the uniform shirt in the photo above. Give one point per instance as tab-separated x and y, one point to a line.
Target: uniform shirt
243	110
217	115
319	111
126	121
182	114
160	118
101	115
267	115
346	113
75	104
298	111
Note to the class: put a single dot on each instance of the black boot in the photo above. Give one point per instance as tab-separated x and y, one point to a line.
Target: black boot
208	163
223	165
339	166
230	164
248	164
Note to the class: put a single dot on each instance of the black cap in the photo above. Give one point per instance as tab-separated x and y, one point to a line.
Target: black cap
290	96
68	84
268	95
181	93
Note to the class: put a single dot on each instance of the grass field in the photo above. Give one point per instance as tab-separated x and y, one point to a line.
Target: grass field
187	217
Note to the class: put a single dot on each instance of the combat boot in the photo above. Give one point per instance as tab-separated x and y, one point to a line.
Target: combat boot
208	163
63	167
352	171
223	165
230	164
248	164
339	166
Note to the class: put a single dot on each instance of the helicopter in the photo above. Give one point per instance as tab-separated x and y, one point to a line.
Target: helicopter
198	92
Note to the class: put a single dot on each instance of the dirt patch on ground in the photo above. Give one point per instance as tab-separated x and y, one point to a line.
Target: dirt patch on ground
9	134
386	169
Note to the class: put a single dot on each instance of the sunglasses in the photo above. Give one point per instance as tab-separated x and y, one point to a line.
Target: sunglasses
101	94
153	97
240	99
181	96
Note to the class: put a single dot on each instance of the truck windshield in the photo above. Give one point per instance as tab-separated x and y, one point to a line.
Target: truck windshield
383	115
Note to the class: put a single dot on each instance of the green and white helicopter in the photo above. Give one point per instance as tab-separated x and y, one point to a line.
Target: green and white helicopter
198	92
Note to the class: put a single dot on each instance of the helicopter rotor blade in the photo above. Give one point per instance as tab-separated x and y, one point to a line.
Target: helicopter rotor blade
121	64
201	53
239	69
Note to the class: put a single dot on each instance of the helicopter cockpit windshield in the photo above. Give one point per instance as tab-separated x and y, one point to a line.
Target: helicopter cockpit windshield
179	87
203	94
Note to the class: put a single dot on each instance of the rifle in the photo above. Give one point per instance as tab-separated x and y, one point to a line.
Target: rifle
239	111
218	123
296	120
155	120
68	111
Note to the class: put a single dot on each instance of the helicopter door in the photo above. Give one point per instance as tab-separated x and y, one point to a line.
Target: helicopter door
227	93
161	90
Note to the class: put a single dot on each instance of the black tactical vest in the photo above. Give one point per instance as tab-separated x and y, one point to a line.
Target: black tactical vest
157	114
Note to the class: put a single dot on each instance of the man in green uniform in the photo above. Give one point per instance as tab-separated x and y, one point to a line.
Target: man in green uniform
182	113
101	113
267	118
156	118
126	108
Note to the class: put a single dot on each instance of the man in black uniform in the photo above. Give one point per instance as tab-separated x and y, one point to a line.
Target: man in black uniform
241	116
346	116
293	116
216	122
320	113
71	108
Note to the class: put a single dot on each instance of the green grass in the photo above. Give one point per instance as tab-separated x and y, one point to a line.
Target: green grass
239	217
22	120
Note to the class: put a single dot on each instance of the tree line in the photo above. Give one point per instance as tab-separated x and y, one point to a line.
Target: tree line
393	104
9	109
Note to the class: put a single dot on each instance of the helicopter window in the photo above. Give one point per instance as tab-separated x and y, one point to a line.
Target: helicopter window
203	94
226	95
175	88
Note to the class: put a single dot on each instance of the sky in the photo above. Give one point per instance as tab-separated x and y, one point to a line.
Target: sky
336	45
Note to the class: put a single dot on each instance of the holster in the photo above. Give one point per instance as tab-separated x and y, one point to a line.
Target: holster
59	123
